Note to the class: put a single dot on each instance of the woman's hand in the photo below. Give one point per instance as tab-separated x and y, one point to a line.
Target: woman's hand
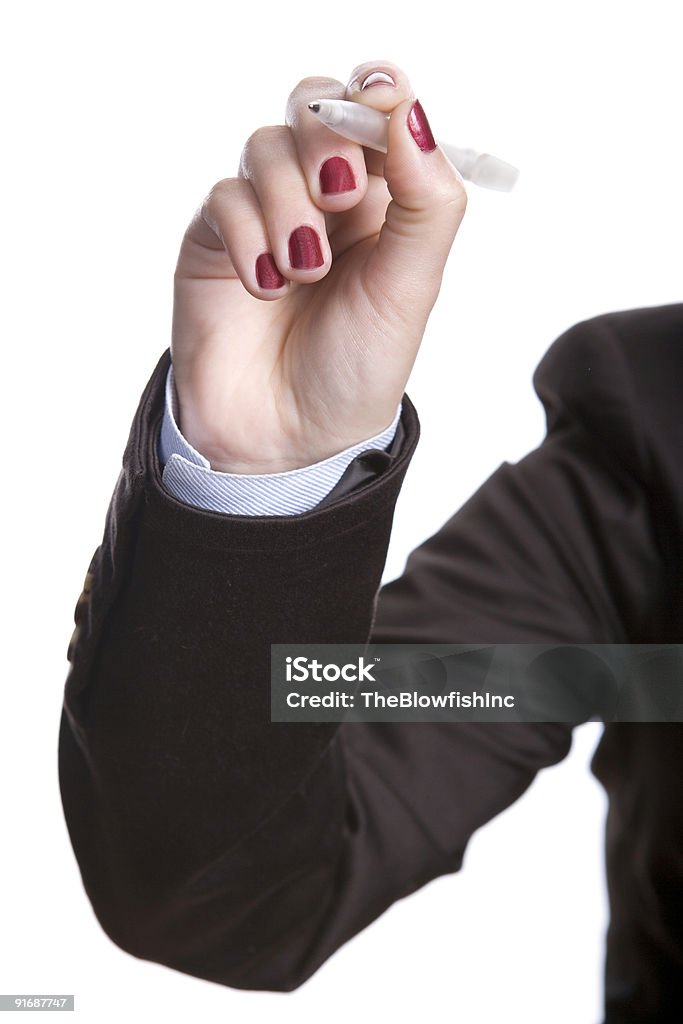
304	285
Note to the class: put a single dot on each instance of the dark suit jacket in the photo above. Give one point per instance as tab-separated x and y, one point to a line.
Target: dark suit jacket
246	852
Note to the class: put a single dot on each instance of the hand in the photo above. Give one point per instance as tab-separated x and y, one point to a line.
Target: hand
299	308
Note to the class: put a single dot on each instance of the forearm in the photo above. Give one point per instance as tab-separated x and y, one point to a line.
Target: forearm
168	758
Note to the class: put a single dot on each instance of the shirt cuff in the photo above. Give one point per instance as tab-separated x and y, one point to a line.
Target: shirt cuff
188	476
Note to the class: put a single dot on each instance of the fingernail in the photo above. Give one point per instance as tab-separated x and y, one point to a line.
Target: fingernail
304	249
336	176
374	78
377	78
267	274
418	126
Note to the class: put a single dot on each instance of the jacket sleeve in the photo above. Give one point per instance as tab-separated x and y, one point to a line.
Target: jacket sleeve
209	838
228	847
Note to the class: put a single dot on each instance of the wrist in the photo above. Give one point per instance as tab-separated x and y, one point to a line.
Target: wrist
269	460
254	450
199	446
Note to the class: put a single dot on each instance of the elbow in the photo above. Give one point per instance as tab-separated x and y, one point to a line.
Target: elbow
255	945
230	959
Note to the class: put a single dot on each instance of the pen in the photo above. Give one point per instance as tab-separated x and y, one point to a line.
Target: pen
369	127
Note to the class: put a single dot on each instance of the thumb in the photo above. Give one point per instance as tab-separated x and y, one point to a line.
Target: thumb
428	204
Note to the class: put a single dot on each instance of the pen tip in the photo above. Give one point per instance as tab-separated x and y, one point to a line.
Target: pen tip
315	107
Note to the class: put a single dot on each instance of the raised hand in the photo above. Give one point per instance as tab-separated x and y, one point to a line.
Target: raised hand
304	285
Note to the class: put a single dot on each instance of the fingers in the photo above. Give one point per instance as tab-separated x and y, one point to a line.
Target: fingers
295	179
272	218
294	223
427	192
270	225
234	214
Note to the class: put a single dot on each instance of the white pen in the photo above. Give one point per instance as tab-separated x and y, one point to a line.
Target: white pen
369	127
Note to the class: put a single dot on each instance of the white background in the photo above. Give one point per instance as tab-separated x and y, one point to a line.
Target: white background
117	119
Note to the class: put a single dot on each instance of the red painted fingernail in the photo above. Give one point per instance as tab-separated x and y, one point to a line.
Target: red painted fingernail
336	176
267	274
304	249
418	126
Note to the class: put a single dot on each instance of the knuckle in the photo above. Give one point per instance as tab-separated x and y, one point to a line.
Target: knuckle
451	194
217	206
218	194
264	136
314	82
263	139
308	89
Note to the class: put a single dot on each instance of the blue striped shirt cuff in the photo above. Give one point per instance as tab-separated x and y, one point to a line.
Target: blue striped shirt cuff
188	476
